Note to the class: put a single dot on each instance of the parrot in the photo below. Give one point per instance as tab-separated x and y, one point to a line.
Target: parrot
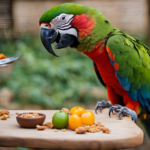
121	62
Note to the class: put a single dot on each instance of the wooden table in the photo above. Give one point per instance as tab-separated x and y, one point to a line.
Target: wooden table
124	134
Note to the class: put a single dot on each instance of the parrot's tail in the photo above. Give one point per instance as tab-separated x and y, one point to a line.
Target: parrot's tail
146	125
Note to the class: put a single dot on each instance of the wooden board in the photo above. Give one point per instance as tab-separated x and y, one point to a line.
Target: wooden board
124	134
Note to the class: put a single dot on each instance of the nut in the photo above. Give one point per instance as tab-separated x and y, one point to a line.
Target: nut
66	110
4	117
80	130
98	124
105	130
4	112
87	128
30	115
49	125
38	127
63	130
55	130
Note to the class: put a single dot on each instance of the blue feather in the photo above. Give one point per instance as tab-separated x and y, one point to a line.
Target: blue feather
133	95
140	99
112	62
145	92
124	82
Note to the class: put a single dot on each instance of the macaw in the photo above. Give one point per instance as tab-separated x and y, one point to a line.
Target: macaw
121	62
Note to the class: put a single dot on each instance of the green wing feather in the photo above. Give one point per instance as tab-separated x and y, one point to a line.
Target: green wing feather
133	58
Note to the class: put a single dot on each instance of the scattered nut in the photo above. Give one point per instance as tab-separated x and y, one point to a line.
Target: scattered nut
87	128
92	130
66	110
49	125
98	124
97	130
96	127
80	130
93	126
4	112
4	117
55	130
105	130
17	113
63	130
8	116
38	127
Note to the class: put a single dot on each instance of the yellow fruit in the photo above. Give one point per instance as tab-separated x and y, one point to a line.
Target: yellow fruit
77	110
74	121
87	118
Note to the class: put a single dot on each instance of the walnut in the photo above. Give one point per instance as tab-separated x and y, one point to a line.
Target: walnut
97	130
4	117
93	126
80	130
2	112
30	115
105	130
8	116
92	130
63	130
38	127
17	113
55	130
98	124
66	110
49	125
35	114
87	128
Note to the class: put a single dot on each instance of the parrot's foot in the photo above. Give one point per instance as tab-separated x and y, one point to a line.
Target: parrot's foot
123	111
102	104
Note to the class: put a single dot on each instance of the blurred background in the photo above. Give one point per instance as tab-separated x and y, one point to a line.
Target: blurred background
39	80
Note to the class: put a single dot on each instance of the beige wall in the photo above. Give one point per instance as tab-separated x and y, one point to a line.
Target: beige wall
127	15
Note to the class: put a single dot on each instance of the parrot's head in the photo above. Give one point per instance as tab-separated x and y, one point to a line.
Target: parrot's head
74	25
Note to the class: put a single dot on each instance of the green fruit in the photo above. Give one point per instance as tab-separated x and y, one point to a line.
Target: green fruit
60	119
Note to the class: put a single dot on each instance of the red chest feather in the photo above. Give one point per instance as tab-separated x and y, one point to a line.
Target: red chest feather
107	71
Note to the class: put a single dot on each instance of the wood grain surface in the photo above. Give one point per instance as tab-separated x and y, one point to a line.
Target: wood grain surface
124	134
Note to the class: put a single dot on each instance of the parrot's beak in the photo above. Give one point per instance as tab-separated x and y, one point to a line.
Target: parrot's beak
48	36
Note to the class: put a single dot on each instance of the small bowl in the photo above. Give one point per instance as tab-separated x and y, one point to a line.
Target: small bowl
30	122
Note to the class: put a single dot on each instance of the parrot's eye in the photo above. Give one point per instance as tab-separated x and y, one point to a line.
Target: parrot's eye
63	18
46	25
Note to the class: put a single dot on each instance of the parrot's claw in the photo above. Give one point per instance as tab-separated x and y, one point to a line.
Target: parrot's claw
123	111
115	108
102	104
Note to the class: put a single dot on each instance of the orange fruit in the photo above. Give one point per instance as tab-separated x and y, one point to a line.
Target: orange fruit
77	110
87	118
2	56
74	121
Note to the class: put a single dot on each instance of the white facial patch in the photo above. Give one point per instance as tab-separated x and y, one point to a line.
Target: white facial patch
62	24
62	21
71	31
